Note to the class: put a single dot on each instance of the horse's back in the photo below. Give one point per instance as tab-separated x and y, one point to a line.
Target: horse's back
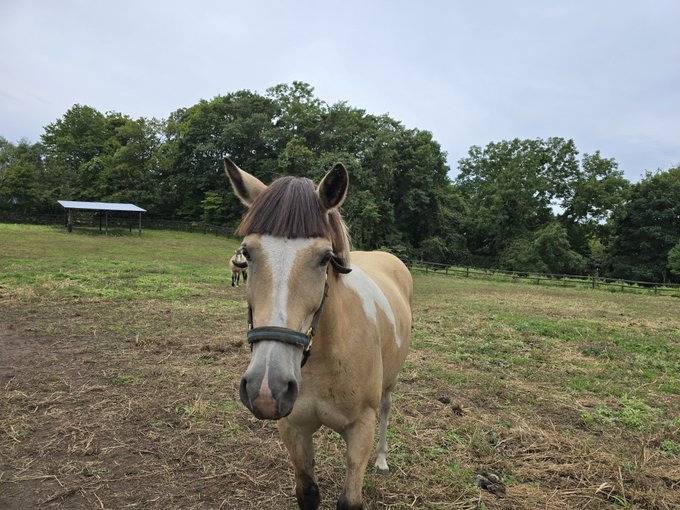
394	280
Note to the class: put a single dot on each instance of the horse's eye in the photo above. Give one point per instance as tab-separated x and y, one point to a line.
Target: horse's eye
326	258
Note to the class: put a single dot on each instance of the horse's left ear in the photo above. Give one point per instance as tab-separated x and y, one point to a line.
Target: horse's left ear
247	187
332	189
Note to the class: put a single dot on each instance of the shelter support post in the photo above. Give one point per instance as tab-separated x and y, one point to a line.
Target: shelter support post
140	223
69	220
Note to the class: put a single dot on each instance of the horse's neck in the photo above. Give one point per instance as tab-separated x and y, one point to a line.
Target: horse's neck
333	317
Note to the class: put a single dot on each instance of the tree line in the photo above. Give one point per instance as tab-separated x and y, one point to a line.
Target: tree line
522	204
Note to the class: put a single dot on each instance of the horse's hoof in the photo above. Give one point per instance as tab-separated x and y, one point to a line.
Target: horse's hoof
382	470
381	465
344	505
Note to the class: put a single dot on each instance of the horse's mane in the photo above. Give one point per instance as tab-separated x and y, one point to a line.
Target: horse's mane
290	207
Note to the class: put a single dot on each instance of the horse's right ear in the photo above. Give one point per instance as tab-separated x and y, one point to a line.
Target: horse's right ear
247	187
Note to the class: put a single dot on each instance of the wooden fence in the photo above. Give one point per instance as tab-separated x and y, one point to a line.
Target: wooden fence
563	280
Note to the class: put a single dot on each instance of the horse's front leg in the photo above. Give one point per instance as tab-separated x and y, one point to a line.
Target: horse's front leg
298	441
359	439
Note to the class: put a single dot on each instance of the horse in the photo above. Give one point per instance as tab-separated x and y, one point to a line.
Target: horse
239	266
306	288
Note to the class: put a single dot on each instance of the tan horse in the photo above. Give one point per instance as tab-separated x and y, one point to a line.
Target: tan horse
239	267
303	284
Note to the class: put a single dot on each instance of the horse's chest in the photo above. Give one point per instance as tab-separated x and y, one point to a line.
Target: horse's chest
338	402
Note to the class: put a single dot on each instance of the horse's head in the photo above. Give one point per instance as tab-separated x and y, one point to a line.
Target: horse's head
240	259
292	232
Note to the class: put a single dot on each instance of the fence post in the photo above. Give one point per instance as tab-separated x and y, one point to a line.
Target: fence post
593	283
467	272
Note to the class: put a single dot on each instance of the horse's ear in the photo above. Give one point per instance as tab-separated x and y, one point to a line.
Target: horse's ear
247	187
332	189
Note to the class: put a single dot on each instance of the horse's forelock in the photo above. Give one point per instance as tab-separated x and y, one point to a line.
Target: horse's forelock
290	207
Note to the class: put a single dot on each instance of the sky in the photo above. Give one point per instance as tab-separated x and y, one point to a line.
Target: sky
606	73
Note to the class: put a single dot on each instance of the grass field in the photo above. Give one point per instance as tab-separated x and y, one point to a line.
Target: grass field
120	359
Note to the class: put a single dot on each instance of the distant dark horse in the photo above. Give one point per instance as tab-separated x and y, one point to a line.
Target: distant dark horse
239	266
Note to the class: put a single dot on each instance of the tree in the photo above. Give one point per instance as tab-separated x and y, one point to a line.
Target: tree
213	207
646	227
546	251
598	255
511	187
73	145
674	259
597	191
20	176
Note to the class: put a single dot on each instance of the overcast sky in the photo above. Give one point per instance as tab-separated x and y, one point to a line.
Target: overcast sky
606	74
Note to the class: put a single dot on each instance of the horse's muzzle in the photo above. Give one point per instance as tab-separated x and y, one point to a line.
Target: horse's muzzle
268	400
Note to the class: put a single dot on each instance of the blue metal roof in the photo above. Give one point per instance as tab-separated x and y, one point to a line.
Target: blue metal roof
100	206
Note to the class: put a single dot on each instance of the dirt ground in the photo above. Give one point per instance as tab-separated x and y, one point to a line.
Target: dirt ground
129	400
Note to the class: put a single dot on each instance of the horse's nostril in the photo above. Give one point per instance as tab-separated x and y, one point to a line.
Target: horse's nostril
291	389
243	392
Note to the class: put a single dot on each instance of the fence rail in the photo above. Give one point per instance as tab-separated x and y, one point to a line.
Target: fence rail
554	279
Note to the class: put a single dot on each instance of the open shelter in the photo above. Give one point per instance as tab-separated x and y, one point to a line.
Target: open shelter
104	209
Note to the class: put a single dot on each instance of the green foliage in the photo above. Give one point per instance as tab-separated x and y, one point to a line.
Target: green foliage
546	251
20	173
213	205
598	254
647	227
674	259
511	185
524	204
552	246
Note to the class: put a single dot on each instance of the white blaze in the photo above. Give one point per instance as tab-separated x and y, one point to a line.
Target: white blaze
280	254
372	297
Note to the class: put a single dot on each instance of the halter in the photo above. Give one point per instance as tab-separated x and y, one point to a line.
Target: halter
290	336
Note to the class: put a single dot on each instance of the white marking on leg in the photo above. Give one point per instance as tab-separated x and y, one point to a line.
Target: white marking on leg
372	297
381	457
281	254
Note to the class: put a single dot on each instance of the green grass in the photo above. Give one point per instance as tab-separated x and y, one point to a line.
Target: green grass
49	261
571	395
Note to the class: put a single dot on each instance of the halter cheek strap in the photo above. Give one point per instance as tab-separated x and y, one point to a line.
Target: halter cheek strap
287	335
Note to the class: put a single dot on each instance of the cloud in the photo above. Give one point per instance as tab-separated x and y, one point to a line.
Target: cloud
602	73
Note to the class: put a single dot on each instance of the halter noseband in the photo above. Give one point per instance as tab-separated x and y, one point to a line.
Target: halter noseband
290	336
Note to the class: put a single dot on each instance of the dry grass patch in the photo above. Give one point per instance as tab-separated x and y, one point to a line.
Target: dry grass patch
121	390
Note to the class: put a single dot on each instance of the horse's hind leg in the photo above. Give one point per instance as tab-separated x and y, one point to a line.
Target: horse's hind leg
233	280
300	447
381	457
